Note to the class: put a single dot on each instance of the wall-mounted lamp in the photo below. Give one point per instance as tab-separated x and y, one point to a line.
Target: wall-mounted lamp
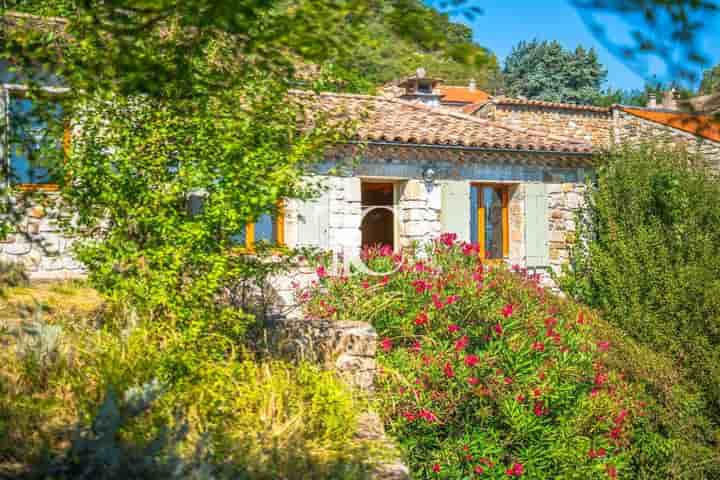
429	174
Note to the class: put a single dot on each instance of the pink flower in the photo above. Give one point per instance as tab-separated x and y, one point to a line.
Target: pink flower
498	329
603	346
421	318
580	318
453	328
550	322
451	299
321	272
448	239
365	284
439	304
615	433
428	416
520	398
469	249
600	379
508	381
538	346
448	369
471	360
621	417
516	470
479	470
386	344
416	347
473	381
436	468
462	343
538	409
612	471
421	286
507	310
386	251
409	416
599	453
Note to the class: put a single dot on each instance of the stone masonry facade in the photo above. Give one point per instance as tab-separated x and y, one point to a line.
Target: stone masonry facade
40	244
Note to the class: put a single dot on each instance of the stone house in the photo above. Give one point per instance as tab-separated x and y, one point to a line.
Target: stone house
506	174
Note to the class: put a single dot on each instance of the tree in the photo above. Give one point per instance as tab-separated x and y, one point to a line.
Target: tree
711	81
546	71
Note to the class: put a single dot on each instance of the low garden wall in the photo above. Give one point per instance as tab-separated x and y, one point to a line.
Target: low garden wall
348	348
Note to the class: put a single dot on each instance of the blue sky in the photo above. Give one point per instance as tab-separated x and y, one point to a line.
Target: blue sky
506	22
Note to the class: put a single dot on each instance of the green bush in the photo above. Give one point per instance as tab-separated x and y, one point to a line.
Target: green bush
485	373
648	256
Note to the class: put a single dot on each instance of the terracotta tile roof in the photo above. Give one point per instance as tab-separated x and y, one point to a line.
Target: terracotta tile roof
462	94
540	103
705	126
382	119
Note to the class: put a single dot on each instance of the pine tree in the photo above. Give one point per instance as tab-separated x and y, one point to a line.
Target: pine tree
546	71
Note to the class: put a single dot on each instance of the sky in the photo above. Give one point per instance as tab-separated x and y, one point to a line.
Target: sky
506	22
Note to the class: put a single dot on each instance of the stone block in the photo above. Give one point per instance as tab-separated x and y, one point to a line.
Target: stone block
415	229
414	190
573	200
20	247
557	236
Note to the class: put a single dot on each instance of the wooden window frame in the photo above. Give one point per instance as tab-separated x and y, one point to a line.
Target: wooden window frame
279	227
505	198
66	143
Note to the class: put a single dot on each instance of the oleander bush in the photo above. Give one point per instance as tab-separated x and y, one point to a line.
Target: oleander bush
486	374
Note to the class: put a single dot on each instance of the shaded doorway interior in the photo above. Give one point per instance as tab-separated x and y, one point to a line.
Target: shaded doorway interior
378	224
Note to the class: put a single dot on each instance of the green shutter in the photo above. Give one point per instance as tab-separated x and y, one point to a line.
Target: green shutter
536	225
455	213
314	221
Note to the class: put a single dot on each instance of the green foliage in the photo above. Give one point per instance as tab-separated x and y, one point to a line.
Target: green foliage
484	371
140	399
647	256
399	37
710	81
546	71
135	163
12	274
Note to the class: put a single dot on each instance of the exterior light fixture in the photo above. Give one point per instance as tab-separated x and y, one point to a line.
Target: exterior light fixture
429	174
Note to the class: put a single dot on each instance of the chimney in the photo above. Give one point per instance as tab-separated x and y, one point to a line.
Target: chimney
669	102
652	100
473	85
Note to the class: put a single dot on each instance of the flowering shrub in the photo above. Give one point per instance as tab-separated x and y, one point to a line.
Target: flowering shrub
485	374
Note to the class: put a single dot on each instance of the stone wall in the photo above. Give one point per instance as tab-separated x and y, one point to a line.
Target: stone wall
631	129
39	244
564	200
419	206
588	125
349	349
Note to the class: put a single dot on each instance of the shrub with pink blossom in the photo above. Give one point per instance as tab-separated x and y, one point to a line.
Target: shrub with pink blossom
486	374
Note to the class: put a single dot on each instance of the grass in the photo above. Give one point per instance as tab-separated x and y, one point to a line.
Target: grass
256	418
